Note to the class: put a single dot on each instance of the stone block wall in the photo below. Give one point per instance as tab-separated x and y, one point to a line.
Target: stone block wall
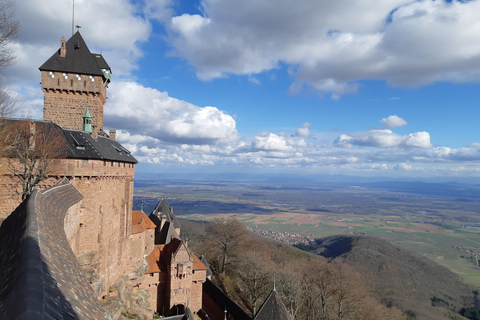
101	222
67	95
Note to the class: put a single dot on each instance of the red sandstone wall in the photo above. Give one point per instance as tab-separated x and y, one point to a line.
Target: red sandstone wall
66	99
101	221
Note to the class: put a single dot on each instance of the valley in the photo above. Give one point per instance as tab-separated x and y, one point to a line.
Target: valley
440	221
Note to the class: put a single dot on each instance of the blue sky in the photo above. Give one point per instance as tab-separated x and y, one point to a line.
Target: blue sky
370	88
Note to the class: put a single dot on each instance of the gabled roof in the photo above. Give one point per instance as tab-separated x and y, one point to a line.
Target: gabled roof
273	309
75	144
198	264
163	208
78	59
84	146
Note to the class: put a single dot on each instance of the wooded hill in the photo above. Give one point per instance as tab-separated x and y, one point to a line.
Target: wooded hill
398	277
343	277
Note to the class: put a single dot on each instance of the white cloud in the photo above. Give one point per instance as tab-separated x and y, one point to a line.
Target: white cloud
330	46
112	27
393	122
303	131
147	111
270	142
384	138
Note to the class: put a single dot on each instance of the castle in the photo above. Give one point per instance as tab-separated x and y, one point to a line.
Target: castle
116	248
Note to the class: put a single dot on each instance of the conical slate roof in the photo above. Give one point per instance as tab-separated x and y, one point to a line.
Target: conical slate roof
273	309
78	59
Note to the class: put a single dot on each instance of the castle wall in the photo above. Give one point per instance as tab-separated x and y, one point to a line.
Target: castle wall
101	222
67	95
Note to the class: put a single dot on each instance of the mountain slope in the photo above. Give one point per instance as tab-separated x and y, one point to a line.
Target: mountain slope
399	277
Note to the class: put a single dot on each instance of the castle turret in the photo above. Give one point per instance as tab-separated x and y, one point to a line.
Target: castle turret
87	121
71	77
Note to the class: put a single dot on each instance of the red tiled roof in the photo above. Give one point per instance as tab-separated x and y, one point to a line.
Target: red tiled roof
198	264
141	222
153	260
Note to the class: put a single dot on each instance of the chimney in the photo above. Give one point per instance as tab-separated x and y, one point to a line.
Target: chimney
113	134
63	49
94	131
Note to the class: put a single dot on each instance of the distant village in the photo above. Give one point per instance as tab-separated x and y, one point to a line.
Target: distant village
290	238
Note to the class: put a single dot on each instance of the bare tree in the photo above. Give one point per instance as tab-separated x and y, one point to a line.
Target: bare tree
225	237
255	278
288	285
8	31
33	152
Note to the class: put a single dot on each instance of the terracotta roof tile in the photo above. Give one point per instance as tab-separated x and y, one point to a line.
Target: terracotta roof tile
198	264
141	222
153	260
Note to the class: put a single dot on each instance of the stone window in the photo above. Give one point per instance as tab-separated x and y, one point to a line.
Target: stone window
52	74
111	165
85	162
65	76
78	77
104	163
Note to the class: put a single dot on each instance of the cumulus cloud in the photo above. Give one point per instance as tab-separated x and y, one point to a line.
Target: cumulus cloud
147	111
384	138
112	27
270	142
393	122
330	46
303	131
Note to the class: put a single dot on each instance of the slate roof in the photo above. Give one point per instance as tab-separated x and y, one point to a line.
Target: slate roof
164	208
78	59
224	302
204	260
273	309
39	273
84	146
78	144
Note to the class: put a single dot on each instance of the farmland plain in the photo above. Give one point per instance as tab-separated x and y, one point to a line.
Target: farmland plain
438	220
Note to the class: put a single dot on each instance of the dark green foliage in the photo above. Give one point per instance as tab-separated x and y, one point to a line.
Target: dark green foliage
471	313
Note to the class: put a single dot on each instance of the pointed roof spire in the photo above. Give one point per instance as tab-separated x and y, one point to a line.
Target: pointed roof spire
87	120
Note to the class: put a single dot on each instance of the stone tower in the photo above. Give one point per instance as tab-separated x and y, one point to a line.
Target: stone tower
72	78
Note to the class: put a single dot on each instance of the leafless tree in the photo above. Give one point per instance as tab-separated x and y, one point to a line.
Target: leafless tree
225	236
33	152
255	277
9	27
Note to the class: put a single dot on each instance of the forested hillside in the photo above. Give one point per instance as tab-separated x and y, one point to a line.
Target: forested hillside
397	277
245	266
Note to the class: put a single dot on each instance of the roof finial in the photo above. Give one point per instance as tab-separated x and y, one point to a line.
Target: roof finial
225	313
141	206
73	15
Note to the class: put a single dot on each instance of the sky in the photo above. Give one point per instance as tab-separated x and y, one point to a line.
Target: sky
368	88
